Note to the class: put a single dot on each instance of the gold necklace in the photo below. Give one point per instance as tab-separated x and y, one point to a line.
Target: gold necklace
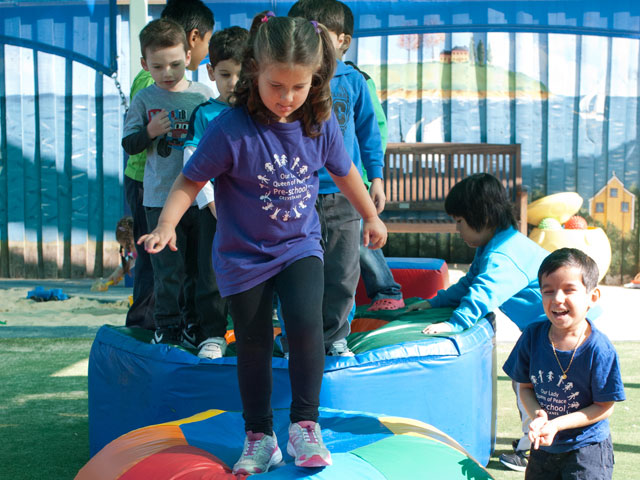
573	353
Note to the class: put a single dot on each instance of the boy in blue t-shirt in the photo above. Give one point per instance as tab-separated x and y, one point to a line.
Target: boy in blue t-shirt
568	374
225	57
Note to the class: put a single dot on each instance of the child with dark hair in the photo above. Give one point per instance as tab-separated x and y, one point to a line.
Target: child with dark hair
197	22
157	123
568	375
504	271
341	224
225	55
264	154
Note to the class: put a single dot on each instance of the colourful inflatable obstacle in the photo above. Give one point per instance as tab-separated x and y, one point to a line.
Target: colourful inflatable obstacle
363	446
418	277
447	381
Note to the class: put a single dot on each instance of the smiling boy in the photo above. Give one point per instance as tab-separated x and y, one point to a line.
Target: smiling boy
568	374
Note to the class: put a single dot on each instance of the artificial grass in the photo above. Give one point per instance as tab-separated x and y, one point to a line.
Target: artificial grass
44	423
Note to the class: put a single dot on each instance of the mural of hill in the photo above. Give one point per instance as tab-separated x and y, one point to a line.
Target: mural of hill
460	79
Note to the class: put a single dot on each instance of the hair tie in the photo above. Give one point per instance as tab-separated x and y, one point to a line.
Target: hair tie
315	25
267	15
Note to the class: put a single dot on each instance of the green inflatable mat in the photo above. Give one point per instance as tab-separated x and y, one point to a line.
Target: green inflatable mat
440	460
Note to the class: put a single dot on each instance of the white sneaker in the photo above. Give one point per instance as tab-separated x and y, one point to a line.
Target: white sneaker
306	445
212	347
339	348
260	453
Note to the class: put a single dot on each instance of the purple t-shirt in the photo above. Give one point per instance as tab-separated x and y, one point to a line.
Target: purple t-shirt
266	185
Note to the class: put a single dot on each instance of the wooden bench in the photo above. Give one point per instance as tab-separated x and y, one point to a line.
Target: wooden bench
418	177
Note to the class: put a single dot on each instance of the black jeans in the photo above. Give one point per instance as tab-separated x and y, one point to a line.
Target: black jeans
593	462
184	271
299	287
140	313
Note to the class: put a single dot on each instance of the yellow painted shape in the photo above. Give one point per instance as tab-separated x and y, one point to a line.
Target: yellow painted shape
561	206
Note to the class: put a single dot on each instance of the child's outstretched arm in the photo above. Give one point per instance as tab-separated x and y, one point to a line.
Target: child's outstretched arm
182	194
542	431
374	232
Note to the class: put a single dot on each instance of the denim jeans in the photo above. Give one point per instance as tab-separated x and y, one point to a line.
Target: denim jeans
376	275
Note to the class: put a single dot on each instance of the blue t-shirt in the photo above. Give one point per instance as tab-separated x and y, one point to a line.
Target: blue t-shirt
504	275
200	118
266	188
594	376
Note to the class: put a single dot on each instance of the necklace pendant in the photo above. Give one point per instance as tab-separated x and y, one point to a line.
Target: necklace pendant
564	376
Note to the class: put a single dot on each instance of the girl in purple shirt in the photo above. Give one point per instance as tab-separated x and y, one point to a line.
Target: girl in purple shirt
265	154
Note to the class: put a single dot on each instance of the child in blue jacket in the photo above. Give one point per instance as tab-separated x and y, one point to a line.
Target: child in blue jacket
340	221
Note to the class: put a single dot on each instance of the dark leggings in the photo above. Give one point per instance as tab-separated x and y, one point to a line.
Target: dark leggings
299	287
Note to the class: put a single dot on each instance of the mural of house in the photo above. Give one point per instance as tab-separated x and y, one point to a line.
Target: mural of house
614	204
445	56
459	55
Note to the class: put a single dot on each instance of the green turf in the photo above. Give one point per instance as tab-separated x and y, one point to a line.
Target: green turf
44	423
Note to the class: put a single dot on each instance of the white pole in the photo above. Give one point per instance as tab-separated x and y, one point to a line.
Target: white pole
137	20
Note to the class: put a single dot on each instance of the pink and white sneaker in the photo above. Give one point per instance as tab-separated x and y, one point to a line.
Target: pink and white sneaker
260	453
306	445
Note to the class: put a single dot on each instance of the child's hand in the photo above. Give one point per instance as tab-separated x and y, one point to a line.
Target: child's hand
374	233
423	305
159	124
376	191
537	429
161	236
440	327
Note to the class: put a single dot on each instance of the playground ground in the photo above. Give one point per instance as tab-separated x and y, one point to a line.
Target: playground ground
45	403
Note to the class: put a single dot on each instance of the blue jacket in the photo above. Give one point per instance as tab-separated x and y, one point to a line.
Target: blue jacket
354	110
504	275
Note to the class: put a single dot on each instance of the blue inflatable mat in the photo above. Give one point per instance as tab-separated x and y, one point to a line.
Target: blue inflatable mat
446	381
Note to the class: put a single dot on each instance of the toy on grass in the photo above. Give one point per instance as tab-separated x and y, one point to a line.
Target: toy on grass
362	445
549	224
576	223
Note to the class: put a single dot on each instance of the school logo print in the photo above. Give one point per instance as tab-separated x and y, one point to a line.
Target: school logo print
341	107
284	187
555	394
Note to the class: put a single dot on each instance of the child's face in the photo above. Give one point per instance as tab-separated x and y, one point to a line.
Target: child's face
199	47
166	66
472	237
284	88
225	74
565	298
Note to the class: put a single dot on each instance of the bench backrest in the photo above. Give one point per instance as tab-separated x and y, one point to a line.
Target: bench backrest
418	176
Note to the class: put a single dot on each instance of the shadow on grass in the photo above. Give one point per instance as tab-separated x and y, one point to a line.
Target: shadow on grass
632	385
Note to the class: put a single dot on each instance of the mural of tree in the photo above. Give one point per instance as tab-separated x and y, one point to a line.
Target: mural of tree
432	41
409	42
480	54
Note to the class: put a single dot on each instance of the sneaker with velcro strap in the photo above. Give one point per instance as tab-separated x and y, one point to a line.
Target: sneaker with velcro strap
515	461
212	348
